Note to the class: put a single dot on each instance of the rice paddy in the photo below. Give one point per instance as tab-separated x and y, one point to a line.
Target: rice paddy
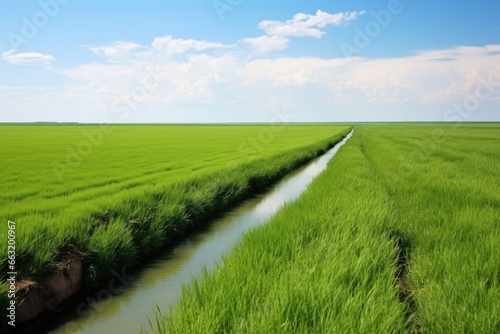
399	235
120	194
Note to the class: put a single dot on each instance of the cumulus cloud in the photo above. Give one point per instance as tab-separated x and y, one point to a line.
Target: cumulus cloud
307	25
301	25
147	76
115	49
27	58
285	71
264	44
161	47
304	75
215	78
171	45
414	79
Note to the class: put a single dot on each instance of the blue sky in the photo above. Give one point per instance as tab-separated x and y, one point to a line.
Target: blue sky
246	61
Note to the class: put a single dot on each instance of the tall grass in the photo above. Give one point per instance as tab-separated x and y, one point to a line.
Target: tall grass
444	183
324	264
399	234
143	188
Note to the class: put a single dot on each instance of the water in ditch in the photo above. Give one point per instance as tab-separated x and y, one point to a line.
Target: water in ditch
159	283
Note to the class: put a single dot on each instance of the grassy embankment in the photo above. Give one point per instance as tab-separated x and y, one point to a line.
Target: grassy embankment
139	189
399	234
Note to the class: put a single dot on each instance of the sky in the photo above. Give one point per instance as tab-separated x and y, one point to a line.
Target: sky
204	61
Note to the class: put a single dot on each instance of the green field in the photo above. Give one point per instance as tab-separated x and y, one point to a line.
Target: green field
400	234
120	194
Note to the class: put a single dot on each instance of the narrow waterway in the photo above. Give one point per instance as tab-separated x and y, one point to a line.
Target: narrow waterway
160	282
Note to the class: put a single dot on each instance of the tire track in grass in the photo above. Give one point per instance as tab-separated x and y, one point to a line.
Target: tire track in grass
405	292
403	247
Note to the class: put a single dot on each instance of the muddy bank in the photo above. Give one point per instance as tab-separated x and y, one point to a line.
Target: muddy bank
35	300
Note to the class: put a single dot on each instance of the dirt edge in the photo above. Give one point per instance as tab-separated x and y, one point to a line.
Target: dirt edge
405	293
39	298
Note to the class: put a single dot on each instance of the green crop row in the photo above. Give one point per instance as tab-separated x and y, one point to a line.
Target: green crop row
399	234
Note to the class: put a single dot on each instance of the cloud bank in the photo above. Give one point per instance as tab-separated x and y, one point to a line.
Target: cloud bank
172	74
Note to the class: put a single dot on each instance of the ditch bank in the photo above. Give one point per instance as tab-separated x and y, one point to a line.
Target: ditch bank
61	293
38	298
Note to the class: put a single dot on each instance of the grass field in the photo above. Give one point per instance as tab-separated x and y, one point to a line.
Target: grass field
119	195
400	234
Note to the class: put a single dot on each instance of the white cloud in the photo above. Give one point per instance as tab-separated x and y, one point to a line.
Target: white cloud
293	71
227	78
264	44
304	75
307	25
415	79
160	49
173	46
27	58
301	25
115	49
205	78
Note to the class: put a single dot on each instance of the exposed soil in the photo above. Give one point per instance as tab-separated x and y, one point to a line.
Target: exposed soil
39	298
405	293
